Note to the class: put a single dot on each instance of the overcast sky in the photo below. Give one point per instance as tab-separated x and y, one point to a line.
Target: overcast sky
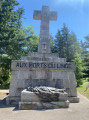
74	13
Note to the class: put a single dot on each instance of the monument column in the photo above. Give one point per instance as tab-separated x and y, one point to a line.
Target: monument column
45	15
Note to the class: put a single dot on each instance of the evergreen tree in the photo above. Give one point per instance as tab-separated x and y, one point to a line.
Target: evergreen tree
79	68
68	47
52	42
9	30
10	44
85	55
66	44
14	41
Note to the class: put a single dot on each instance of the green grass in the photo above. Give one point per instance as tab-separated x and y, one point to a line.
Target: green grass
82	88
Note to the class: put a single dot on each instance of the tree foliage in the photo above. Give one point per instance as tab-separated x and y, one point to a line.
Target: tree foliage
8	37
15	41
79	69
85	55
31	40
67	45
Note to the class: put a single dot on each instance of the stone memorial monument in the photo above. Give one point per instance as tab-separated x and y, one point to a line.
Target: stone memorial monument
42	69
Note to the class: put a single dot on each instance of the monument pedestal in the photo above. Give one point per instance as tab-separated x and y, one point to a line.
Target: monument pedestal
45	70
29	100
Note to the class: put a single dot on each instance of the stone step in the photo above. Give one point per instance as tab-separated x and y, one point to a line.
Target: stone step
43	105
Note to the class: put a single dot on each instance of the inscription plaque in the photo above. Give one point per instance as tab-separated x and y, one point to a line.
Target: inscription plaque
41	65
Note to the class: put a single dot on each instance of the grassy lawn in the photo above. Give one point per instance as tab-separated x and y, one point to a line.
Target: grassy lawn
82	88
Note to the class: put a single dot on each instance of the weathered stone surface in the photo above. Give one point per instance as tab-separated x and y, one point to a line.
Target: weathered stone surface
43	98
43	105
29	96
51	57
29	65
45	15
43	68
74	99
48	94
63	96
21	79
44	55
12	100
29	105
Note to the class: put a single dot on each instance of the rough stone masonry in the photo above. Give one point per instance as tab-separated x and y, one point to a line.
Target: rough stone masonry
45	16
42	68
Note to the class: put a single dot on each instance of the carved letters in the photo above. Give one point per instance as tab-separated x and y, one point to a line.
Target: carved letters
43	65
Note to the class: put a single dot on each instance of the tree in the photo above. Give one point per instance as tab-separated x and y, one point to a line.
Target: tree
9	28
66	44
79	68
30	40
85	55
68	47
10	44
14	40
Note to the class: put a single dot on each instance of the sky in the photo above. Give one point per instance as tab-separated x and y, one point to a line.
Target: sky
74	13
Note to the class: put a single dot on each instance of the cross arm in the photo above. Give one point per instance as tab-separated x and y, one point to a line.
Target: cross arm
53	16
37	15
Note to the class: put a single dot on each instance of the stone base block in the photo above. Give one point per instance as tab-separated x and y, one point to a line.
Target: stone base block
63	96
73	99
29	96
32	97
43	105
12	100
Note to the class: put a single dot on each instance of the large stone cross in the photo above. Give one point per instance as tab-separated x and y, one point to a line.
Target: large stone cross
45	15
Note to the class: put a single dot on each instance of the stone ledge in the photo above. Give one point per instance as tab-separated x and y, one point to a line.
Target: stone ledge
29	96
74	99
32	97
36	54
43	105
12	100
63	96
